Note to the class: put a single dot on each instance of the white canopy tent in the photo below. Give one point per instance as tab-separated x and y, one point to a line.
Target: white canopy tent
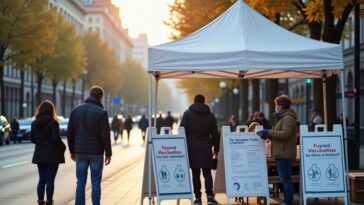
239	44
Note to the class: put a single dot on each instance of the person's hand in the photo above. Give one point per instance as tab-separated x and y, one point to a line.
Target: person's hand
216	154
263	134
73	157
107	160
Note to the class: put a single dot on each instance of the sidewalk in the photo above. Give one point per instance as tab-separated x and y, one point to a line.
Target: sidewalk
125	187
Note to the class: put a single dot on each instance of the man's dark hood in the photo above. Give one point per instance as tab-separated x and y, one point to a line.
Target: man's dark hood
200	108
42	121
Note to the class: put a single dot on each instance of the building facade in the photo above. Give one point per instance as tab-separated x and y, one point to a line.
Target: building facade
140	49
88	15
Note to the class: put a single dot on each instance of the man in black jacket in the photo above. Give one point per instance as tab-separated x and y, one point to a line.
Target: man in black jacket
88	136
201	132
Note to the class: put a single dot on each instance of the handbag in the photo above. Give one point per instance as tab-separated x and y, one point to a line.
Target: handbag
214	163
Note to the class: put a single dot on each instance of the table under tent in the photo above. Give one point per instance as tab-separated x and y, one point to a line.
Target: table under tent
243	44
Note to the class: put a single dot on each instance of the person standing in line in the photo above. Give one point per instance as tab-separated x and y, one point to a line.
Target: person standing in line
143	125
88	136
14	125
169	120
233	123
49	149
128	125
315	120
202	135
115	126
283	136
160	123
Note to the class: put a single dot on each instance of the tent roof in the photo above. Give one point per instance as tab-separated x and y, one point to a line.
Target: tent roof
243	43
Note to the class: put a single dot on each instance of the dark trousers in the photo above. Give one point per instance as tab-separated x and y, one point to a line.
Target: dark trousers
284	168
197	182
47	174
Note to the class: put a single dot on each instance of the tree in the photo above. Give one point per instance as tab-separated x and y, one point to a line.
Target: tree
68	59
26	27
102	66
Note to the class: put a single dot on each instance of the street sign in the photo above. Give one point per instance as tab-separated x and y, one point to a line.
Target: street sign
116	100
322	163
245	164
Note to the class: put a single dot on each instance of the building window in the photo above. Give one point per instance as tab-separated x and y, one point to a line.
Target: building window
89	29
90	19
97	29
50	5
97	19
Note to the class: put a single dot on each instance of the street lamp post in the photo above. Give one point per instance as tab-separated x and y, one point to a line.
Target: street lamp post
84	75
222	85
236	108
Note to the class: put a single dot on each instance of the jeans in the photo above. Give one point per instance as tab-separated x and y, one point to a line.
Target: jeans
197	183
116	134
284	168
96	164
47	174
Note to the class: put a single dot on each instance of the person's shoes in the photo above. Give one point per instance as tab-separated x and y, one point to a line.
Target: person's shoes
197	201
41	202
211	201
49	202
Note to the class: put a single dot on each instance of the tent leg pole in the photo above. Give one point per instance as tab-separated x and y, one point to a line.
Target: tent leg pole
156	102
325	102
345	135
150	93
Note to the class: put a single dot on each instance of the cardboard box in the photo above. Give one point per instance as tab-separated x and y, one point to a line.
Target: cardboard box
356	187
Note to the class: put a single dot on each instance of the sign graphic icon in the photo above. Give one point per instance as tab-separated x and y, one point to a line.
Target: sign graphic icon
179	174
164	174
332	173
314	173
236	185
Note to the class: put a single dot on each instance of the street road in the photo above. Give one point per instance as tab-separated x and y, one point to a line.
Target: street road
19	177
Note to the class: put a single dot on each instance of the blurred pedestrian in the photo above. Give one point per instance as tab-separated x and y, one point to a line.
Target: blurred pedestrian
49	149
283	136
169	120
128	125
143	125
315	120
202	135
233	123
115	126
160	123
260	118
14	125
88	136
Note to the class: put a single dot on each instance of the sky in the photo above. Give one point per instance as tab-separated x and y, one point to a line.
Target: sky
146	16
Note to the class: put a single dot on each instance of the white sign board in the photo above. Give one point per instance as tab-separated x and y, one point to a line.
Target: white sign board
245	164
171	168
322	168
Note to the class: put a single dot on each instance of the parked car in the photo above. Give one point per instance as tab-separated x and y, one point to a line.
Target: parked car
4	131
63	123
24	129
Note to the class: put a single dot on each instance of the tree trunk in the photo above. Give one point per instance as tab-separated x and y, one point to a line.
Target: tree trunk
73	93
21	95
40	78
32	91
2	90
272	93
54	84
64	99
256	94
244	87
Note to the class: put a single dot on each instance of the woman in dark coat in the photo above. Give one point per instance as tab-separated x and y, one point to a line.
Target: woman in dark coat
49	149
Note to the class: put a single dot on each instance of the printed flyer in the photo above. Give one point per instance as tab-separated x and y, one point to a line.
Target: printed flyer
322	164
245	165
171	166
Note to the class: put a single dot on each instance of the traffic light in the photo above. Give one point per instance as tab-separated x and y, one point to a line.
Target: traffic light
308	81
